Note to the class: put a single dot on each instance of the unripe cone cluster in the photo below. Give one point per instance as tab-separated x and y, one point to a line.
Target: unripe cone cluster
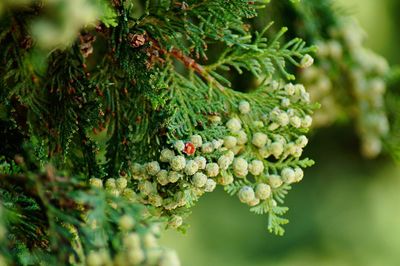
253	144
135	243
365	86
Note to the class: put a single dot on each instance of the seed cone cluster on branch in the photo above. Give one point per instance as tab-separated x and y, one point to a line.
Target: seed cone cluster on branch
257	158
346	69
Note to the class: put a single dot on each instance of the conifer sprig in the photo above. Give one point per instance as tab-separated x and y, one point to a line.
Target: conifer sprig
119	115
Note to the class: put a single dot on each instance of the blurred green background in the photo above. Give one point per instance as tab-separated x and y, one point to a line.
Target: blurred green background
345	212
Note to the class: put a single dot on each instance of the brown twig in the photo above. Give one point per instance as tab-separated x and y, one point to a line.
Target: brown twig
188	62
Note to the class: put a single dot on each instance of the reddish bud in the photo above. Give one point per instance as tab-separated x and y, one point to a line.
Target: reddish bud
189	148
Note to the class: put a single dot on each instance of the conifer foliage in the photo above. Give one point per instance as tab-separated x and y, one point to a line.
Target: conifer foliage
117	116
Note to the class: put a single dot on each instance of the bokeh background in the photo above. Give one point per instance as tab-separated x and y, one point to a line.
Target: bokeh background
345	212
